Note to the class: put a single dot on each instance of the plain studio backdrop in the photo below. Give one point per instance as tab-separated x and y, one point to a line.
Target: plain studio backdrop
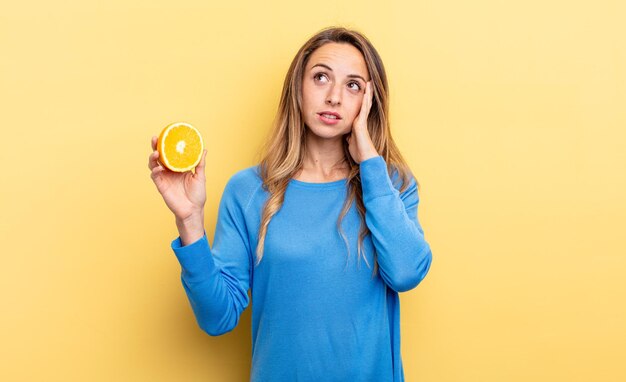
511	115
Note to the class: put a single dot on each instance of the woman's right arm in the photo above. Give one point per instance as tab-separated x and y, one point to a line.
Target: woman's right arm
216	280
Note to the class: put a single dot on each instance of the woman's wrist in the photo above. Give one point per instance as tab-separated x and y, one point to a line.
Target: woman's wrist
369	155
191	228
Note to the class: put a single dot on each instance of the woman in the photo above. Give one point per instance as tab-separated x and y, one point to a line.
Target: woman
331	183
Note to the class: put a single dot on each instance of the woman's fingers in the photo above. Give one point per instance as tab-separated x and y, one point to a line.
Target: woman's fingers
157	178
200	166
153	160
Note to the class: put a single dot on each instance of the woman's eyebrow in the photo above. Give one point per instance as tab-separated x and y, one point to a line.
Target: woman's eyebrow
329	68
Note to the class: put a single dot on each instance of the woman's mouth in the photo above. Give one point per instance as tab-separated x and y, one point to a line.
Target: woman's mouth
329	119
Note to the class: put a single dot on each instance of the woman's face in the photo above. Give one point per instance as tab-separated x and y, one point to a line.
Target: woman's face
334	81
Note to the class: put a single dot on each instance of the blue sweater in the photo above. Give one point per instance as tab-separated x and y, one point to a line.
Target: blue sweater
317	315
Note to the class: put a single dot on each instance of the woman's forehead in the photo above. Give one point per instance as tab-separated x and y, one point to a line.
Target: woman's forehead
340	57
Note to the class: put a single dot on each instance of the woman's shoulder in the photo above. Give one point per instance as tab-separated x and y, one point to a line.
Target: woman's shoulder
246	176
244	183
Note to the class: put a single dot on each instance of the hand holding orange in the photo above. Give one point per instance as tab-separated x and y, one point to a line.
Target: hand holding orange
180	147
183	191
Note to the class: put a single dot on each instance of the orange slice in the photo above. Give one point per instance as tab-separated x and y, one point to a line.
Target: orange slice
180	147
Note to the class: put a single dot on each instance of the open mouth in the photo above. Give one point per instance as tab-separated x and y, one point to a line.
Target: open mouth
329	115
329	119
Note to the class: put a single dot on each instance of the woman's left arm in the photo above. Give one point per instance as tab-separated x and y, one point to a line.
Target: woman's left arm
404	256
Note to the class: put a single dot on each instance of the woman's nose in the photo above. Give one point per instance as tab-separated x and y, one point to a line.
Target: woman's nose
334	95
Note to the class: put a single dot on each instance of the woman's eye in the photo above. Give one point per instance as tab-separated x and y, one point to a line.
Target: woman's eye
318	75
354	85
358	86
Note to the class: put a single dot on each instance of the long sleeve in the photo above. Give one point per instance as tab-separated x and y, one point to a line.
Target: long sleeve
404	256
216	280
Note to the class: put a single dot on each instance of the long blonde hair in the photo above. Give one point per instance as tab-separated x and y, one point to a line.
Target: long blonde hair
283	152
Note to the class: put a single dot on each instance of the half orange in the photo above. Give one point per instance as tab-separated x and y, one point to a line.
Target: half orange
180	147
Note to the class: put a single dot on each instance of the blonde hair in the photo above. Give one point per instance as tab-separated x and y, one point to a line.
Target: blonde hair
283	152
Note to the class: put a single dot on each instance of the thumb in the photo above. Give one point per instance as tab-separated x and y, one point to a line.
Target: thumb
200	167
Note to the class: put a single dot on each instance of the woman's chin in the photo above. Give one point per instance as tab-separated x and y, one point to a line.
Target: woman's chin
328	133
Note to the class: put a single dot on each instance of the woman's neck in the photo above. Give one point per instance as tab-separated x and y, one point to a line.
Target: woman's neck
324	161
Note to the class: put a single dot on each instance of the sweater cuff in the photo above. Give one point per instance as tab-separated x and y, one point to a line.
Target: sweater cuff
195	258
375	180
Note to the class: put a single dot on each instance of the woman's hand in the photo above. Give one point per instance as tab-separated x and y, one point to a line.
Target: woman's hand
184	193
359	141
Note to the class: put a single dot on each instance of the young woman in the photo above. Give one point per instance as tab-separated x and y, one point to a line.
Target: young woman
331	184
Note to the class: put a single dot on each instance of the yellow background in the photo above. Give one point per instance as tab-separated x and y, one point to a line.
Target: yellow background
511	114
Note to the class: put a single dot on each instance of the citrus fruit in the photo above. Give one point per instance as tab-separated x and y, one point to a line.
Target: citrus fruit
180	147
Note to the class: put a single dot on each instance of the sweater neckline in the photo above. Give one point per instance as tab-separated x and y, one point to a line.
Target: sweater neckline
334	184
